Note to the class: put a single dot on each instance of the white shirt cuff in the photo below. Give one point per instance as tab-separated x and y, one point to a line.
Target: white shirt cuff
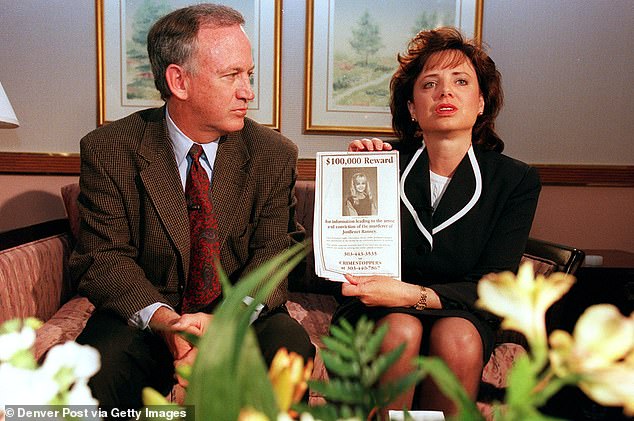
141	319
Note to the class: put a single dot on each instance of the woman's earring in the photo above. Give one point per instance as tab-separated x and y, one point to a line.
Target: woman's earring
413	119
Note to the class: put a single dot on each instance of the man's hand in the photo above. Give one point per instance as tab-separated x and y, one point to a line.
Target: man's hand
196	324
168	324
374	144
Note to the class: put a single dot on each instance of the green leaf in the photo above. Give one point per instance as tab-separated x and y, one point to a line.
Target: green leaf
340	390
229	372
386	393
320	412
190	337
342	349
380	365
152	397
342	368
23	359
373	344
450	386
521	381
341	335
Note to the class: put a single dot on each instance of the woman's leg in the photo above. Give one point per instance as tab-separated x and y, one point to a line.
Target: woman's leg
458	343
407	329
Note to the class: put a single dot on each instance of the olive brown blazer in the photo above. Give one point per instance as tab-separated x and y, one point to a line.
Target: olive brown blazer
133	247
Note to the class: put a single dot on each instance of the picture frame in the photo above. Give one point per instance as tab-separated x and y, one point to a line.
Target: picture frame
351	49
122	56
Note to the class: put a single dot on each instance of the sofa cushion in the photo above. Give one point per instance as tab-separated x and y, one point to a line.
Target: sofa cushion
70	193
35	278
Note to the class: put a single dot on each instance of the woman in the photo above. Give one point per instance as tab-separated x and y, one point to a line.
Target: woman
360	202
466	210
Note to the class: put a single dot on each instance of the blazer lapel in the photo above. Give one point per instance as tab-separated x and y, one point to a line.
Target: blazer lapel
229	180
163	185
461	195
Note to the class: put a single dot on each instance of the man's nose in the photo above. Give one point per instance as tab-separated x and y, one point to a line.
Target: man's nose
245	91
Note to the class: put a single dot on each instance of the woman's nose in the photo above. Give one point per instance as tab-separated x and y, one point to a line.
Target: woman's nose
445	91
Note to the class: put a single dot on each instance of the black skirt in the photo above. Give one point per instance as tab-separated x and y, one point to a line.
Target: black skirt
352	309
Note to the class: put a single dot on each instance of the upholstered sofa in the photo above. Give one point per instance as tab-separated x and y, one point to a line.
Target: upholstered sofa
34	281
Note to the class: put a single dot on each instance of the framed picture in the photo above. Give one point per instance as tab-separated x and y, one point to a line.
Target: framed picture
124	78
351	49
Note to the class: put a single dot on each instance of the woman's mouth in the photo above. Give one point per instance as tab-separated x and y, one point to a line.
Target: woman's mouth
446	109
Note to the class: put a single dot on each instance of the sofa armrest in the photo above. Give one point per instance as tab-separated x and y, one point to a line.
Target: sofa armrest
65	325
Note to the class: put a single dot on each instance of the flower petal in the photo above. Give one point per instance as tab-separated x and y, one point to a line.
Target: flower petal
602	336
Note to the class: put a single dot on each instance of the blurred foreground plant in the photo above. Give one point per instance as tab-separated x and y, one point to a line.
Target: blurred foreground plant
598	357
355	367
62	379
229	380
230	375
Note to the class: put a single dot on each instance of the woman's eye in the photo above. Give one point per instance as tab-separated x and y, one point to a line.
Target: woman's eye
461	82
429	84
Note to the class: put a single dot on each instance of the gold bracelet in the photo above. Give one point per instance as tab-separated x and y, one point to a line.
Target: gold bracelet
422	301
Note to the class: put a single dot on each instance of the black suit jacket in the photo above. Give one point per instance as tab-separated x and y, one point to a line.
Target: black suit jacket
490	236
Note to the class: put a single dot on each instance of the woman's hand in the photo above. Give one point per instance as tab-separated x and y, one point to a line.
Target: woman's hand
374	144
382	291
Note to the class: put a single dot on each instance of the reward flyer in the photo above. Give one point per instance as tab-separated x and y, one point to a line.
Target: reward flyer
357	215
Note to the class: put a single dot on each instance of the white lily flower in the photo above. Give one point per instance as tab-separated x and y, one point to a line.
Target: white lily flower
20	386
601	352
522	300
80	394
14	342
611	386
83	360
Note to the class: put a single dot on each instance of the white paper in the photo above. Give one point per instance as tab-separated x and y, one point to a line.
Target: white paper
357	215
417	415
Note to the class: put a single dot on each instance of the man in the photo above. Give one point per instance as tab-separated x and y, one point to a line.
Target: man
135	258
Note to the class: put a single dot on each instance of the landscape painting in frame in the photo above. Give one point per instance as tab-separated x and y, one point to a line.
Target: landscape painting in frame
351	55
126	82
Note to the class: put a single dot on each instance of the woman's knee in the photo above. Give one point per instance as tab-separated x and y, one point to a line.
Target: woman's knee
402	328
453	338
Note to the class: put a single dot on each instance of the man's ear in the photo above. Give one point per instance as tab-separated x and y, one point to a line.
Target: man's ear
176	78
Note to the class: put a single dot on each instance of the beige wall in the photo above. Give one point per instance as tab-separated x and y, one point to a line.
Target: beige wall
568	100
27	200
586	217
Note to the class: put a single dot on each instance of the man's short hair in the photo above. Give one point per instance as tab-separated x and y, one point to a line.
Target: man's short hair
173	38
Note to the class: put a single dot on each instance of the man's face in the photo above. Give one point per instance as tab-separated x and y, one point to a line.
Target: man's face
219	87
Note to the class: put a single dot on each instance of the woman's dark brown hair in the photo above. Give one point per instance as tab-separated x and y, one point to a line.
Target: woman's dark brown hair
411	64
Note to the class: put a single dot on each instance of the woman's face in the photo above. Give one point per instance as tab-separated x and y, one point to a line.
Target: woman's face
359	184
446	95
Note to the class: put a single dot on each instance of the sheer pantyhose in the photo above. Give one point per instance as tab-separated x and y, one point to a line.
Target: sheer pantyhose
453	339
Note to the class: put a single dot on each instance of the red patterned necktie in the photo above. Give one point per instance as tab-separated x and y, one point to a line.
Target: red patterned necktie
202	286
